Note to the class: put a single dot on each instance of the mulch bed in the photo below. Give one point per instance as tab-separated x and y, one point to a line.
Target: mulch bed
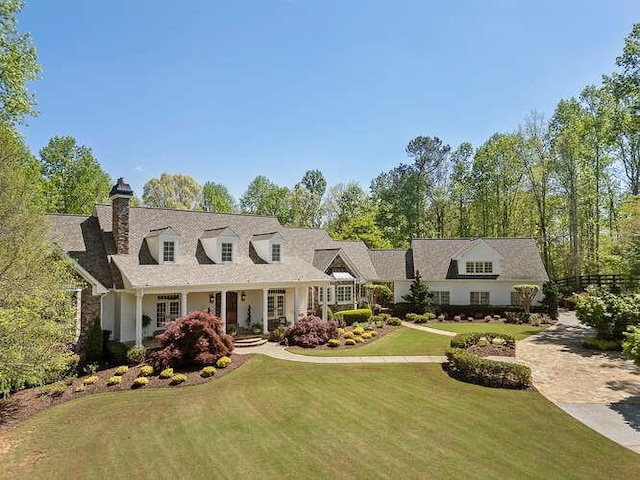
381	333
25	403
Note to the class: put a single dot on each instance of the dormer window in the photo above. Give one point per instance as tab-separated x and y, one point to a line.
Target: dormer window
169	252
275	252
479	267
226	252
164	245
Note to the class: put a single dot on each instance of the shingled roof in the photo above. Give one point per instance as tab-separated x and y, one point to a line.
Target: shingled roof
521	258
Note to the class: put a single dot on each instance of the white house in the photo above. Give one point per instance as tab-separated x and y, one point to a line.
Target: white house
249	269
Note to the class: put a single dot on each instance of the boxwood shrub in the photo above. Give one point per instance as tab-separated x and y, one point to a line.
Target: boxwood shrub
393	321
166	373
466	340
334	342
468	367
359	315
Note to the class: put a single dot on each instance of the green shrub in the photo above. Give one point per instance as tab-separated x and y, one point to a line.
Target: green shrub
115	380
350	341
421	318
373	333
358	331
139	382
178	378
341	332
223	362
146	371
117	352
121	370
329	312
631	344
359	339
466	340
517	318
90	380
208	371
278	334
91	368
366	335
359	315
394	321
602	344
166	373
551	294
54	389
334	342
609	314
349	334
93	346
136	355
468	367
80	388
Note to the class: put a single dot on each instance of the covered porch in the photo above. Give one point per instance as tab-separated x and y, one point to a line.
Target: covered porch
244	307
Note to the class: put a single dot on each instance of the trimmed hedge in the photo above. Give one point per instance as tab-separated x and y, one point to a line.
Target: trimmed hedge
466	340
468	367
420	318
360	315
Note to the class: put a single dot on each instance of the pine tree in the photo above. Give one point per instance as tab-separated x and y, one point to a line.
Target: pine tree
418	297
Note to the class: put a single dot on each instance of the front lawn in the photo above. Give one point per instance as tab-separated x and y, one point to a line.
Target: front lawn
402	341
277	419
518	331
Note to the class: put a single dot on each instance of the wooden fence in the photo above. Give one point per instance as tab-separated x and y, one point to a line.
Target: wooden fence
615	282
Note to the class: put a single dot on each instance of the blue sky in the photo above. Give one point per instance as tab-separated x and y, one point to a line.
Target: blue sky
227	90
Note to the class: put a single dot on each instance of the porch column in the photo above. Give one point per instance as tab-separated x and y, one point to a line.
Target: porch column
296	304
139	295
223	309
325	293
183	304
312	307
265	310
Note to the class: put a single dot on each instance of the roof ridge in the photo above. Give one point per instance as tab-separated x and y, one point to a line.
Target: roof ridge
142	207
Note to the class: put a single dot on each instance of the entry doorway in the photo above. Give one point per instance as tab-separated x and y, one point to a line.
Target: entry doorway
232	307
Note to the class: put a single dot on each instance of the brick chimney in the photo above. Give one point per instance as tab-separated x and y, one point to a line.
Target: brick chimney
120	195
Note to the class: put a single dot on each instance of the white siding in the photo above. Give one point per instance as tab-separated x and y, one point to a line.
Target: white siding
108	312
499	292
127	317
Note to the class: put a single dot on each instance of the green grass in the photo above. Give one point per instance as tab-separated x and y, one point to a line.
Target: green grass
518	331
403	341
276	419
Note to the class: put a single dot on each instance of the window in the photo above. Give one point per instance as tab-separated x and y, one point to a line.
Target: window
329	295
479	267
479	298
344	294
515	299
167	309
168	251
275	304
275	252
227	252
440	298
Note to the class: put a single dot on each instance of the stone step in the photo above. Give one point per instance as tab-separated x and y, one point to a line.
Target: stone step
249	342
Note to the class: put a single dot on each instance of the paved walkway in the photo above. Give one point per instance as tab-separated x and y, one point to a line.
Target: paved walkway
278	351
428	329
601	389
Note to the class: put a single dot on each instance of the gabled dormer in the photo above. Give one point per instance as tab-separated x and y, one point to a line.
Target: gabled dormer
220	245
478	258
270	247
163	245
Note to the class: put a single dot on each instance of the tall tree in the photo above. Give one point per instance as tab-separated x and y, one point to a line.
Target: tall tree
460	190
314	181
217	198
263	197
73	179
177	191
18	66
306	200
36	322
404	194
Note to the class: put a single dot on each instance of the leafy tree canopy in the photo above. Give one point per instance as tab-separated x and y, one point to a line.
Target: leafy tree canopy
73	179
177	191
216	198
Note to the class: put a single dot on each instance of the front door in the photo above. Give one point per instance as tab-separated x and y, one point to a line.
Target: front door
232	308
